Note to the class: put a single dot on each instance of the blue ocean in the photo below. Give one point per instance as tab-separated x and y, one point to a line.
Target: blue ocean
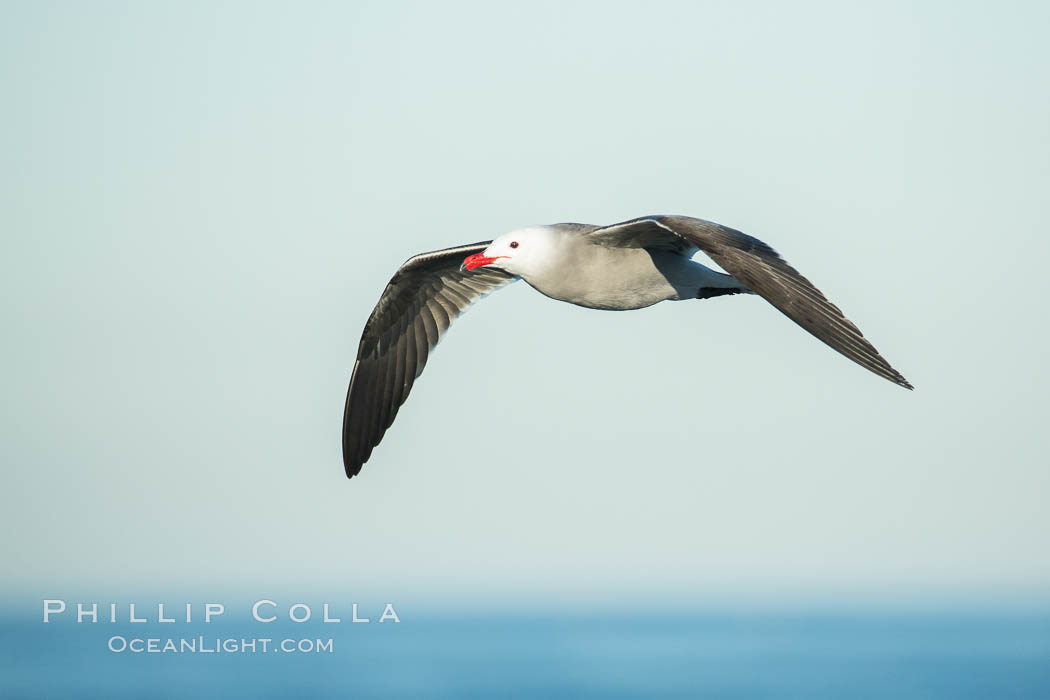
824	655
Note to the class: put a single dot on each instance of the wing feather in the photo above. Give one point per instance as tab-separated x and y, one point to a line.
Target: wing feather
419	304
422	347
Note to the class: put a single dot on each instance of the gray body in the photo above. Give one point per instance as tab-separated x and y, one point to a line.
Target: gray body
586	273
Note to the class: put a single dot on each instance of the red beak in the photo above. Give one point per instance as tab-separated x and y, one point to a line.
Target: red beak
479	260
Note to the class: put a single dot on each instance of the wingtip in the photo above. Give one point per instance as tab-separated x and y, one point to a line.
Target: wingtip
351	464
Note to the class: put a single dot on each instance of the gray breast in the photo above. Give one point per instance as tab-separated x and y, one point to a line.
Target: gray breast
598	277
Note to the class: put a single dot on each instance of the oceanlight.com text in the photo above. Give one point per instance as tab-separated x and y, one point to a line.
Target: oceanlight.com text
218	645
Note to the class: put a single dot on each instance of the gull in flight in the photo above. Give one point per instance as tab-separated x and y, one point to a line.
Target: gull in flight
629	265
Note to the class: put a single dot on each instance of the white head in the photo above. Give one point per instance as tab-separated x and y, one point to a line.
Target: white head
524	252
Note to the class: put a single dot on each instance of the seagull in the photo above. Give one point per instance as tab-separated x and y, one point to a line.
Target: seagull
625	266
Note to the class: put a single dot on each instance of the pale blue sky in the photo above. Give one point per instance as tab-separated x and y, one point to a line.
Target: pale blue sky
201	204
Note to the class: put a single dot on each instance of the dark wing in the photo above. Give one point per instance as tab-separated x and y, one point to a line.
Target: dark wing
761	270
422	299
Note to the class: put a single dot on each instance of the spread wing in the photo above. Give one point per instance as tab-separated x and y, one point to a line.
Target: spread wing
761	270
422	299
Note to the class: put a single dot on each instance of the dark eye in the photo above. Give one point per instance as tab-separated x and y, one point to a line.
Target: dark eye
513	244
